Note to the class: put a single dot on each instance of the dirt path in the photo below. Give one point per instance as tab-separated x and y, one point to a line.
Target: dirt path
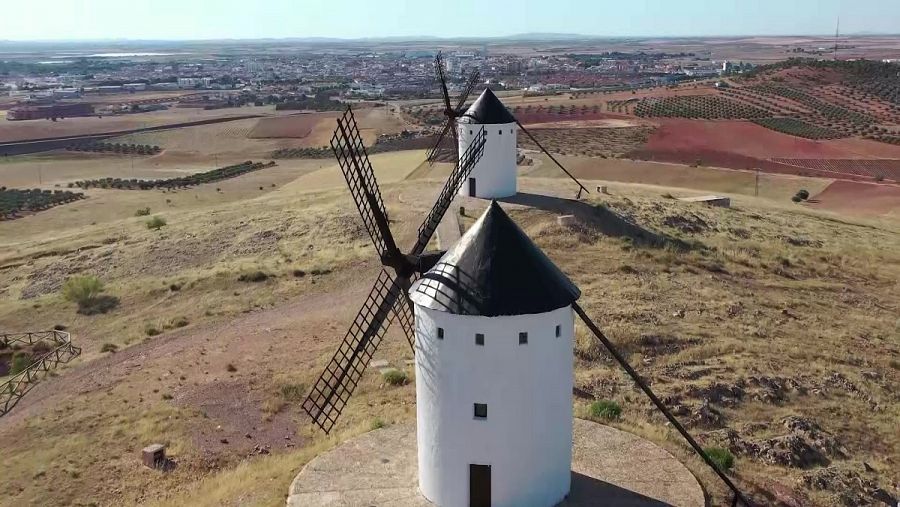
256	345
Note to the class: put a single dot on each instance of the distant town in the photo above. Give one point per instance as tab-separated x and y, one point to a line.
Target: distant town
64	86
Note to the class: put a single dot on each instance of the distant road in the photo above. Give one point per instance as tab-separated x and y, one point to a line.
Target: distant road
55	143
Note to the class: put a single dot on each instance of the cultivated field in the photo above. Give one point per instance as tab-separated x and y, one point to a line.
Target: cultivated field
37	129
793	110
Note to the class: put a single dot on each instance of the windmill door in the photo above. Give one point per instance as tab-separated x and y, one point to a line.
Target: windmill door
472	187
479	486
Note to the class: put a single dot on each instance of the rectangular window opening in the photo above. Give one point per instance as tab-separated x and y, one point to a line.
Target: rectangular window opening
500	132
481	410
479	339
523	338
558	330
440	333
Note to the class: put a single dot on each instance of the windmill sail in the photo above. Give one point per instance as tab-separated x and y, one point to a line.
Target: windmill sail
331	392
451	112
389	299
350	152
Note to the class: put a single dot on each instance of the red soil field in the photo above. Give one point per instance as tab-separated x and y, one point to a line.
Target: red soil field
888	169
737	137
858	198
745	145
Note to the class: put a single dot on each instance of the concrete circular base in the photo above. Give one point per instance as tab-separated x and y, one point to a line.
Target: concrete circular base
609	467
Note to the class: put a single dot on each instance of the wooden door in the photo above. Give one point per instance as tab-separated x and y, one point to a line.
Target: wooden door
479	486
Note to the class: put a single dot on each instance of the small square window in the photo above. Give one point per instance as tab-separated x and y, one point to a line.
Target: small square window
440	333
510	131
558	330
523	338
479	339
481	410
470	131
500	132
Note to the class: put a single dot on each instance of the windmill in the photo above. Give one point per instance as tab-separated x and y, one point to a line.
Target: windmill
495	175
495	328
388	301
452	113
492	324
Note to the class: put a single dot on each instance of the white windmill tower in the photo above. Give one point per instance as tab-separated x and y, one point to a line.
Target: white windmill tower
494	371
494	176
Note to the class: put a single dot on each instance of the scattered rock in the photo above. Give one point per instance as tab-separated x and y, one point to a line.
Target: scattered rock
788	450
768	389
850	488
805	445
718	393
706	416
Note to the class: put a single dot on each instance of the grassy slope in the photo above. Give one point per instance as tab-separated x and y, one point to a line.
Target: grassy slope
839	296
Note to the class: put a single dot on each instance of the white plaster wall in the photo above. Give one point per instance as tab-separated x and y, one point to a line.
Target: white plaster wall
495	173
527	435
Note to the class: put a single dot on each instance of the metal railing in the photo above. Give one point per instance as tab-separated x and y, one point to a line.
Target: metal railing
13	389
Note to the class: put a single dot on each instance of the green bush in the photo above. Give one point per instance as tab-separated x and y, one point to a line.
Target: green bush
83	290
395	377
721	457
803	194
20	362
156	223
109	347
796	198
606	410
142	212
377	424
292	392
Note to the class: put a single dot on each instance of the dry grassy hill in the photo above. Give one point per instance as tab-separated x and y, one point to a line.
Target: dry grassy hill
774	334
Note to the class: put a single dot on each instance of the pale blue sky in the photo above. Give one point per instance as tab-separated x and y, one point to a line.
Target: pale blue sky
193	19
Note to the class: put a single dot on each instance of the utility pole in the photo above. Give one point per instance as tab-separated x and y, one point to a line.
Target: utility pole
837	31
40	176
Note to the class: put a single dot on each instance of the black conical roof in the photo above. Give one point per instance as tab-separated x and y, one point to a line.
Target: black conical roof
494	269
487	109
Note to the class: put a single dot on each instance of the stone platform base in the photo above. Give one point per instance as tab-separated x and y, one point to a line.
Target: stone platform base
609	467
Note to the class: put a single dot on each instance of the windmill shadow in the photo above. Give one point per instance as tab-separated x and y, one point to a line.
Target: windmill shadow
587	491
599	217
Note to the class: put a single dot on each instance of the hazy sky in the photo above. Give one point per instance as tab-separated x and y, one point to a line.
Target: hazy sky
211	19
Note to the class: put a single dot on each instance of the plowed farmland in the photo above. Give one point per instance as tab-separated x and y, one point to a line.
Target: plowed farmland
880	169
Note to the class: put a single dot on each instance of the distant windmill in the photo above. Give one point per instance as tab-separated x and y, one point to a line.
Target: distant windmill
494	177
449	111
388	300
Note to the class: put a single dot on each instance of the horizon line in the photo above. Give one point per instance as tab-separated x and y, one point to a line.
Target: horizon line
538	36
